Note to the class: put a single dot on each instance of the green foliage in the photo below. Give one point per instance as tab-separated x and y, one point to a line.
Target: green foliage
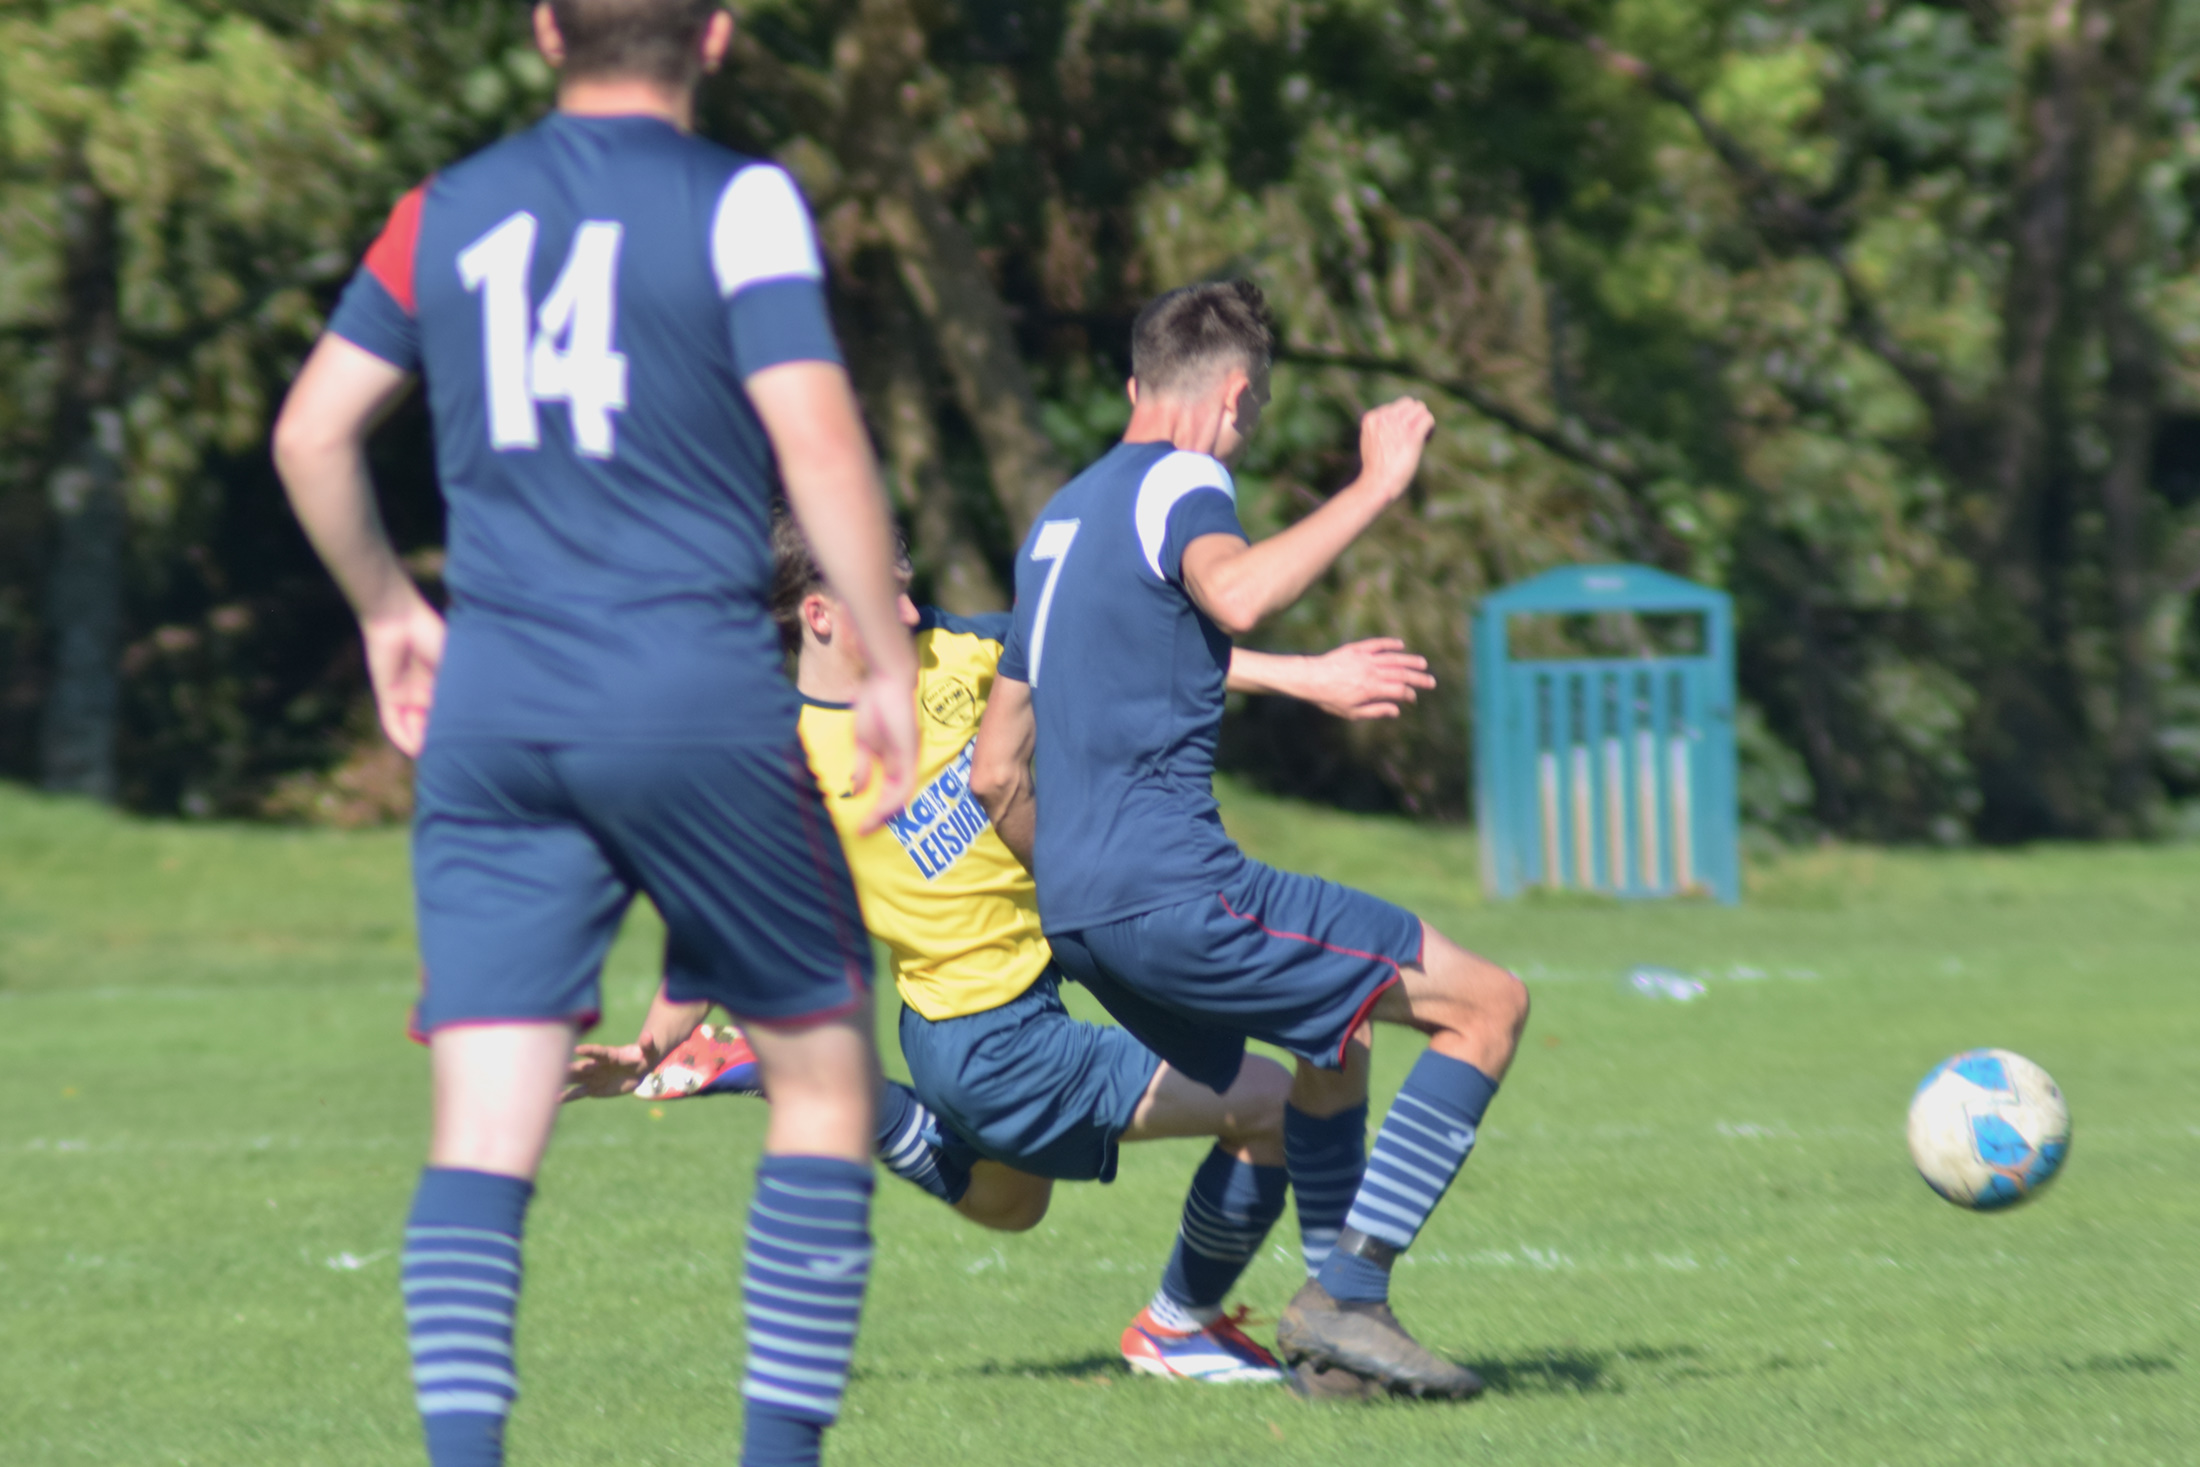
1690	1232
1767	346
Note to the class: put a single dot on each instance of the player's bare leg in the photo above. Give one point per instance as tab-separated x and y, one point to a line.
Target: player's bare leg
1246	1119
496	1095
1004	1199
496	1101
821	1080
1473	1012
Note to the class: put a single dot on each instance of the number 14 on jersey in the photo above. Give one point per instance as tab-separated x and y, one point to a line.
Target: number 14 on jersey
561	353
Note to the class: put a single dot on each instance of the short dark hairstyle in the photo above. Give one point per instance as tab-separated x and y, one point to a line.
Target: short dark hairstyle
795	576
1197	328
657	40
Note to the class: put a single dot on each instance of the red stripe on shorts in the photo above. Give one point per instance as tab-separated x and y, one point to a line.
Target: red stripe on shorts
1359	1017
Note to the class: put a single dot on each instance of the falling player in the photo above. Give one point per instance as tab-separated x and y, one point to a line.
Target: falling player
620	327
1010	1093
1128	592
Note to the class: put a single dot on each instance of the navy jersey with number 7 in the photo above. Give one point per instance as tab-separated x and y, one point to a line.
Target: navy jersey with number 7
585	301
1126	676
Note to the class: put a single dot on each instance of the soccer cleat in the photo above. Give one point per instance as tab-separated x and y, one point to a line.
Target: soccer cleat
1220	1354
1323	1335
707	1062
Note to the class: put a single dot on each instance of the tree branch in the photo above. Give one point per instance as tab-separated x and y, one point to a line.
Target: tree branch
1569	438
1776	209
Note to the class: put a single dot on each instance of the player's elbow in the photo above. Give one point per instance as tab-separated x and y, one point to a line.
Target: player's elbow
1238	610
995	780
304	437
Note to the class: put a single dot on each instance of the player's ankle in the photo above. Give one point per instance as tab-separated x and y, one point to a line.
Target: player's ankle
1178	1317
1357	1270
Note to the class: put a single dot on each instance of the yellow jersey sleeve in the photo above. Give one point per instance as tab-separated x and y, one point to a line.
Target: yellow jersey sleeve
957	911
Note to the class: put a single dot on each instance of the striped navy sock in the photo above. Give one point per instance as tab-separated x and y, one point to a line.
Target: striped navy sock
1229	1210
809	1253
1423	1143
908	1145
1327	1156
460	1274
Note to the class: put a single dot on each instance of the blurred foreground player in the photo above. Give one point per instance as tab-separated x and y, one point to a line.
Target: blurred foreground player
1011	1093
619	326
1128	591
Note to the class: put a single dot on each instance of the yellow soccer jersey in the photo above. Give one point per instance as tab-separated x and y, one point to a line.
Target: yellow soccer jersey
937	884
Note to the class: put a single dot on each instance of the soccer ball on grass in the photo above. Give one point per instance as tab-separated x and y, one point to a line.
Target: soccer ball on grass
1988	1128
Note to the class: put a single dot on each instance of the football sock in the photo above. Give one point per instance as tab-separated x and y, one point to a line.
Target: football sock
1420	1148
1327	1156
1229	1210
460	1274
908	1145
809	1253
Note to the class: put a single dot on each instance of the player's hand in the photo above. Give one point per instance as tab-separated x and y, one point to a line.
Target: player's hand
1370	679
600	1071
886	745
1391	439
404	649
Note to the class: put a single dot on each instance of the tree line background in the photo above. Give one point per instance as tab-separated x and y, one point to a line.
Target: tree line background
1883	316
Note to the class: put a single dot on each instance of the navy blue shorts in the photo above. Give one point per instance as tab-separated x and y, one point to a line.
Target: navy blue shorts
526	857
1290	960
1028	1086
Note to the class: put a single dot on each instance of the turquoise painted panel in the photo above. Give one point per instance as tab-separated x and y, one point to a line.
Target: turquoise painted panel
1607	774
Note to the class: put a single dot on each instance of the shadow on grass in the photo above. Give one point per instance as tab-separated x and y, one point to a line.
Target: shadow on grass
2122	1365
1573	1372
1082	1368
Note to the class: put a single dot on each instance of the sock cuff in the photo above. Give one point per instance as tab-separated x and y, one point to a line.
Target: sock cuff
1452	1082
817	1171
1310	1132
454	1197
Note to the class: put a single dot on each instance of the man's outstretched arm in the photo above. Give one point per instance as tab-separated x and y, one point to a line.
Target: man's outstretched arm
1000	765
321	453
1241	585
1374	678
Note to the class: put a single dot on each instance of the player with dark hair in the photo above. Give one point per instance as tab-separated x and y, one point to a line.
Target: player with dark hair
1129	590
1010	1093
624	339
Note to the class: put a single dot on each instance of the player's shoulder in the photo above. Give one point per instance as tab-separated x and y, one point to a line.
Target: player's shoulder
1179	471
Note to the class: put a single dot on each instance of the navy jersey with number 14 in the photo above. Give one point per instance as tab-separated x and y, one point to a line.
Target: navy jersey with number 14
586	300
1126	678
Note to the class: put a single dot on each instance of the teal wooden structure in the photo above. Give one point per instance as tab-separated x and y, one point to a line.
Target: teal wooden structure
1607	774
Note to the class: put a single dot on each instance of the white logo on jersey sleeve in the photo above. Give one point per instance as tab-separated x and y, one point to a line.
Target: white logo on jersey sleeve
762	232
1167	482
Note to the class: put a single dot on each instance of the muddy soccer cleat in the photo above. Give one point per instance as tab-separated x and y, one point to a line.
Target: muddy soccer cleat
711	1061
1220	1354
1322	1335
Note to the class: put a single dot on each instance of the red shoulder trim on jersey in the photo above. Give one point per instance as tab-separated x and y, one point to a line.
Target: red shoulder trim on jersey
390	258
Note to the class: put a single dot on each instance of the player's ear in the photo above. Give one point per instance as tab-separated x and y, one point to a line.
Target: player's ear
717	40
1234	388
548	39
1131	387
817	615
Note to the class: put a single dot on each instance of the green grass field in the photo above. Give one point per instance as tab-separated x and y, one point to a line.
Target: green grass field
1691	1233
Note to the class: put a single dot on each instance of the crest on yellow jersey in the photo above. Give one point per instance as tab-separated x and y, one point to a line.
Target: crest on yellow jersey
951	703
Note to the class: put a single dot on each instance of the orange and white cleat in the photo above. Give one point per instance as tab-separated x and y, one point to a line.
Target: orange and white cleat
711	1061
1221	1353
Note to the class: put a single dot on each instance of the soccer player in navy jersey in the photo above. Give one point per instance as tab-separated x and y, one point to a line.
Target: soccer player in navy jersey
621	329
1096	760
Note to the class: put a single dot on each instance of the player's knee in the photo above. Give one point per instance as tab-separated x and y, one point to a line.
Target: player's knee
1257	1101
1017	1212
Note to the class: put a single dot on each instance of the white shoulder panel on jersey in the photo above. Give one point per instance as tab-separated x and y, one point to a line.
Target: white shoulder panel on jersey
762	231
1165	483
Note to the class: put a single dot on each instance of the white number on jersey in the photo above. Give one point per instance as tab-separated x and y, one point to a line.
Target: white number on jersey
1052	544
569	357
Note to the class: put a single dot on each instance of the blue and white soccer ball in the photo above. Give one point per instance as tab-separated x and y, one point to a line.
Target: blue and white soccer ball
1988	1129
